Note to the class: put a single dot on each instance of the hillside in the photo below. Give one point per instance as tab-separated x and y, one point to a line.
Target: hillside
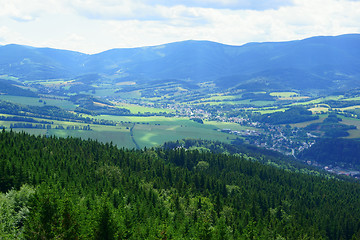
313	63
75	189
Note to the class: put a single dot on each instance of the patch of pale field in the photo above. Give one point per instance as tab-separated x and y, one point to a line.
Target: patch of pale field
228	125
348	108
351	99
292	98
128	83
355	133
101	104
318	110
318	100
142	109
266	111
305	124
219	97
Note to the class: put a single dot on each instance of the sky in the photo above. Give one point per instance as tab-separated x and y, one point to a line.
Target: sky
92	26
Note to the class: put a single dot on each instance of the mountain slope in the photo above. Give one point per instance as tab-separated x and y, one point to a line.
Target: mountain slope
318	62
39	63
75	189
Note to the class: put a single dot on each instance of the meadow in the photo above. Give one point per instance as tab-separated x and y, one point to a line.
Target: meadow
33	101
131	132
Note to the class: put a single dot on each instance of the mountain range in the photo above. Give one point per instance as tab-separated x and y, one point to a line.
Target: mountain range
323	63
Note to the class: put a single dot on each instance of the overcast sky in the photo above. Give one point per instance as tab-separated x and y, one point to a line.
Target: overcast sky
92	26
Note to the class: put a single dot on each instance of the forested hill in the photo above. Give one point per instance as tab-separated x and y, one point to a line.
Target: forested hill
76	189
328	62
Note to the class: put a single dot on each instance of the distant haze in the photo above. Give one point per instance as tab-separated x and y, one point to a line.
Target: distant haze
313	63
93	26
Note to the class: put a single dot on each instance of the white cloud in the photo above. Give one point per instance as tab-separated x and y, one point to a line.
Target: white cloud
224	4
131	10
9	36
24	10
97	25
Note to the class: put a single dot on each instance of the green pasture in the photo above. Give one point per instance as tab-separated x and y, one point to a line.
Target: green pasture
319	110
154	120
348	108
22	100
106	134
133	94
6	77
31	131
103	92
355	133
227	125
319	100
266	111
152	135
33	101
119	135
351	99
147	131
219	97
304	124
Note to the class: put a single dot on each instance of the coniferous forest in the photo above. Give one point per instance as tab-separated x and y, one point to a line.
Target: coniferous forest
56	188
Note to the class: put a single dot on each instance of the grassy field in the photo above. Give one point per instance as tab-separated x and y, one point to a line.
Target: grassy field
266	111
147	131
32	101
152	135
128	83
120	137
154	120
227	125
348	108
352	121
319	109
105	92
318	100
351	99
304	124
220	97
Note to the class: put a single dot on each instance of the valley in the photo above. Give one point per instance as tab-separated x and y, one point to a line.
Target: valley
144	97
188	140
230	116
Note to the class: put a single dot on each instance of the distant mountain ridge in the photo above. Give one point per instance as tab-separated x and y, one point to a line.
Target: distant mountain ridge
313	63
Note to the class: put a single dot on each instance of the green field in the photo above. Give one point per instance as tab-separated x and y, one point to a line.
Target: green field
352	121
266	111
32	101
304	124
147	131
318	100
152	135
227	125
220	97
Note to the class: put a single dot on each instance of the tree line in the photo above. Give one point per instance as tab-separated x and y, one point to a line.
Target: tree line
68	188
